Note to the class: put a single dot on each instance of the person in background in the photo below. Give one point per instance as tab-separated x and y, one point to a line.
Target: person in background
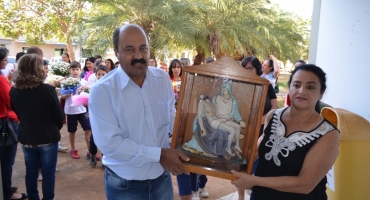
116	64
7	154
124	106
163	66
42	118
185	62
175	72
110	64
297	147
92	79
65	58
76	114
153	62
253	65
93	149
98	57
271	70
61	148
88	69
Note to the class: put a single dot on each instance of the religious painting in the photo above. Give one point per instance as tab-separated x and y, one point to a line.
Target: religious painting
218	117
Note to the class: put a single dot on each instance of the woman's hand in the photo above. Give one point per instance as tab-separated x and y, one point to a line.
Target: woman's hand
244	181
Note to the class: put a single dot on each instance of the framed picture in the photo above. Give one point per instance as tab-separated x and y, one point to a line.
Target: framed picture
218	117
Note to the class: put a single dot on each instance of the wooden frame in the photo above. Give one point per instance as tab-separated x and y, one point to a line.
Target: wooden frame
249	89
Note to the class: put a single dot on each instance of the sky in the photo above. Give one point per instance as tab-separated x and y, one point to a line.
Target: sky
302	8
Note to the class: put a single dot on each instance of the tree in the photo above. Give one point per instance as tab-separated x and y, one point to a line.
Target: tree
209	27
168	24
40	20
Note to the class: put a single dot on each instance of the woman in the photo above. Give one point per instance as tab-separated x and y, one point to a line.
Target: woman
175	72
88	69
110	64
92	79
65	58
271	70
7	154
253	65
298	146
42	118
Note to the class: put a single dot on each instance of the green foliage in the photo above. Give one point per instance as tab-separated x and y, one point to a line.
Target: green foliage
209	27
40	20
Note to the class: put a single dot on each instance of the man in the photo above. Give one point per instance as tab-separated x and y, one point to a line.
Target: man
131	113
152	62
98	57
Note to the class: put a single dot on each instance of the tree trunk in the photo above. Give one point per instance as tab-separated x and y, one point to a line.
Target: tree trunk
198	59
70	50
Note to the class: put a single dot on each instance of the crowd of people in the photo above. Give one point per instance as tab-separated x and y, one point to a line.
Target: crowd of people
296	147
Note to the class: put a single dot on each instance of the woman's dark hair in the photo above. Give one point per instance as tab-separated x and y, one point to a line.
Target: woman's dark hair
314	69
30	72
102	67
19	55
91	59
255	63
69	60
173	65
111	64
3	53
271	64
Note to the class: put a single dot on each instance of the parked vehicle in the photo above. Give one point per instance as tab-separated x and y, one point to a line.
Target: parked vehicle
11	59
56	59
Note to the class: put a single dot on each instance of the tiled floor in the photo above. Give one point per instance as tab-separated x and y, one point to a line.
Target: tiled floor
78	181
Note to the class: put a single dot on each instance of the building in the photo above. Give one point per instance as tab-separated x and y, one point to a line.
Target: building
51	48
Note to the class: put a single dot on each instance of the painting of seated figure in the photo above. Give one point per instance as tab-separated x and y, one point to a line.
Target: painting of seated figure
218	118
217	126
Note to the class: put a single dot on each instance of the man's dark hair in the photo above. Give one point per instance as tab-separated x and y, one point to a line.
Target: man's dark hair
75	64
19	55
98	57
35	50
116	38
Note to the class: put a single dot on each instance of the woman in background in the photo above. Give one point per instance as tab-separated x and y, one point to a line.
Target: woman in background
65	58
42	118
88	69
109	64
7	154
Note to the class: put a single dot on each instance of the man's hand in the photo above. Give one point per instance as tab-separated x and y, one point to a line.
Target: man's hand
170	161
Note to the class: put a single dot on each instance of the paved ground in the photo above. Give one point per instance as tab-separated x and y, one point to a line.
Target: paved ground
76	180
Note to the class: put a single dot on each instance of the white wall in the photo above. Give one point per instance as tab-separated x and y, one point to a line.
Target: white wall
343	51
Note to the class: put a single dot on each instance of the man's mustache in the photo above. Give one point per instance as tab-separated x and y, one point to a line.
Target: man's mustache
141	61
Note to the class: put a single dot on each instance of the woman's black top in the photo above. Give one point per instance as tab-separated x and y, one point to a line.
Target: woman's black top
281	155
39	113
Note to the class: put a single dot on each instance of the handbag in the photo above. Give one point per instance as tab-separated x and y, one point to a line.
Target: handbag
7	131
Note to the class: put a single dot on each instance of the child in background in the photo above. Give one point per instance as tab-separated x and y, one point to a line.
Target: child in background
100	72
76	113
